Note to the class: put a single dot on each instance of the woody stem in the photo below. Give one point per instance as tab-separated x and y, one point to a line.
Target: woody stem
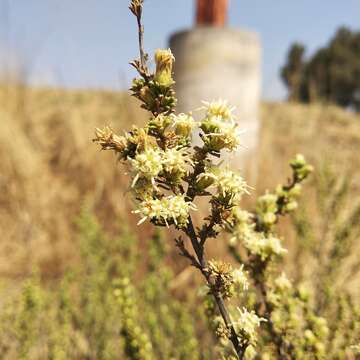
198	247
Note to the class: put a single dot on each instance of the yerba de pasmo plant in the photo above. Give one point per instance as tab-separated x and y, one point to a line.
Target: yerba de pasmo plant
168	174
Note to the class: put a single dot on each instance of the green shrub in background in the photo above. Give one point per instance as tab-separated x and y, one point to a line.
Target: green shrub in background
316	316
329	244
101	309
331	237
96	312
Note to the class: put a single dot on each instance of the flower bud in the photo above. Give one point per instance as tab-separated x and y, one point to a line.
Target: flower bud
304	172
304	294
159	123
145	95
291	206
295	191
183	124
300	167
269	218
164	60
109	141
207	178
298	162
309	336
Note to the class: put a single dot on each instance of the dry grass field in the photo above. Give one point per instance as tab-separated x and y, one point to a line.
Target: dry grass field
59	264
50	169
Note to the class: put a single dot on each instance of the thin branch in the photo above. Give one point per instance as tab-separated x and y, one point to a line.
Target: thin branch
283	348
141	41
140	65
240	348
184	252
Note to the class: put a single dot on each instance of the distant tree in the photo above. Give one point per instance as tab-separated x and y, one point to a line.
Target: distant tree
316	79
332	74
292	71
344	69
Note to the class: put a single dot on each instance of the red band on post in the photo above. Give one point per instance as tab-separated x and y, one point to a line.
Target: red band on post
211	12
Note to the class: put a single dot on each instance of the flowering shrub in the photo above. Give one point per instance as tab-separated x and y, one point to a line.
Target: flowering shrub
168	174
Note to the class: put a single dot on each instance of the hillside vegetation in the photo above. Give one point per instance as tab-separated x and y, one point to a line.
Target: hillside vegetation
50	169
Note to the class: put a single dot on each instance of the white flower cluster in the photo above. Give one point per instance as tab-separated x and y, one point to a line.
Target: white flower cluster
240	218
355	348
174	161
282	282
240	225
266	208
263	246
219	127
154	162
230	186
147	165
248	322
280	289
165	211
218	108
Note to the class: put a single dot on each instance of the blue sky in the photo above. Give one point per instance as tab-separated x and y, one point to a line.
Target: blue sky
88	43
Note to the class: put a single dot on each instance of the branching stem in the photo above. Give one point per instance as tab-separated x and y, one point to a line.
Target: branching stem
284	350
141	40
136	7
198	247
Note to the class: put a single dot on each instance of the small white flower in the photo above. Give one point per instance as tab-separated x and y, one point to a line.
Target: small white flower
282	282
175	161
147	164
219	127
152	209
273	244
183	124
241	225
220	134
229	182
249	322
266	208
262	246
178	209
218	108
240	216
226	181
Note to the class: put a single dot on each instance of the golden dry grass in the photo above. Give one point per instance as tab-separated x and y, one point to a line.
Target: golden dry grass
50	168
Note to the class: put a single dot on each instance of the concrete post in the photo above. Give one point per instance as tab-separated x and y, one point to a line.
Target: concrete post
213	63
